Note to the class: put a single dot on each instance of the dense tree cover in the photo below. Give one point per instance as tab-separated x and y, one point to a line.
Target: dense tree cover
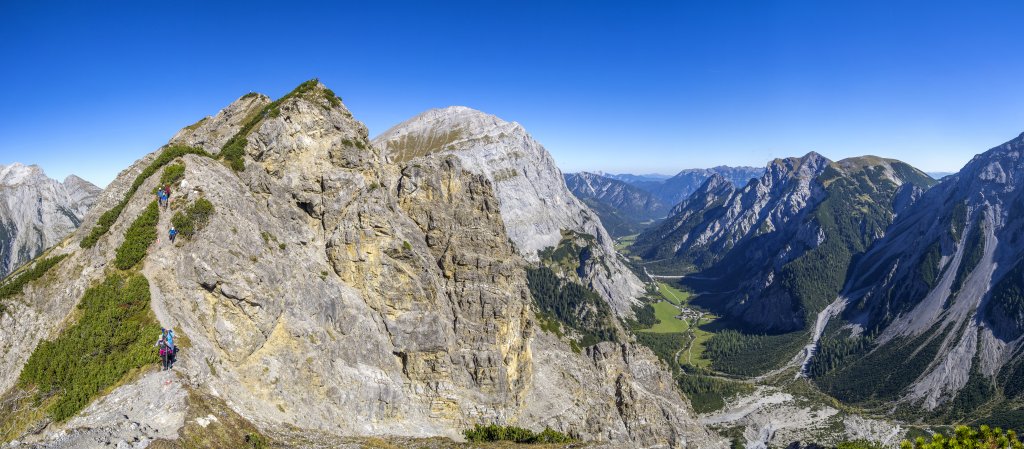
973	250
744	354
17	281
958	220
928	267
494	432
172	174
707	393
138	237
113	335
665	345
193	218
856	210
109	217
964	437
645	317
573	304
872	376
834	352
1007	301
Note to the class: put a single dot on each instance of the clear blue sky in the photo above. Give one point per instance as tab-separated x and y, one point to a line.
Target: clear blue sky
657	87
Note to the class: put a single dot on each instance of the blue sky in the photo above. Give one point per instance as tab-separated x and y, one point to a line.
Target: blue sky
613	86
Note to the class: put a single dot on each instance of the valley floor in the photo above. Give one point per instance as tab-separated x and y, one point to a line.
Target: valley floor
773	409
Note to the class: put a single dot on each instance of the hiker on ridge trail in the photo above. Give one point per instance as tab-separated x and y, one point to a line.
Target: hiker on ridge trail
167	193
164	350
172	233
171	348
162	197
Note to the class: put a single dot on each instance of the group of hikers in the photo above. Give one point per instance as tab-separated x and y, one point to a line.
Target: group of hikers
163	196
168	351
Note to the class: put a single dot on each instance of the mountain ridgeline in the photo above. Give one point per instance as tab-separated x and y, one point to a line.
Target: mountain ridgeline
628	204
624	209
437	277
772	254
941	296
37	212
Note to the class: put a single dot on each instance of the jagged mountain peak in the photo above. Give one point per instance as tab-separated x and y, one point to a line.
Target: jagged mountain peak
37	212
807	166
18	173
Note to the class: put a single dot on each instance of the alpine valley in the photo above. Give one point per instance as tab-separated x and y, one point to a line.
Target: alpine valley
443	285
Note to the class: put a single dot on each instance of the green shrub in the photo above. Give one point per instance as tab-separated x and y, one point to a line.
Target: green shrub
193	218
967	437
172	174
494	432
138	237
109	217
256	441
114	334
234	152
13	285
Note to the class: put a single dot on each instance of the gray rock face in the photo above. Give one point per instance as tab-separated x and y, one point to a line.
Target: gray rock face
536	206
37	212
948	275
337	291
623	208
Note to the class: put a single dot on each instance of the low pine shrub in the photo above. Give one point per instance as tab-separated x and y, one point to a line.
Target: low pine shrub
138	237
172	174
193	218
113	335
494	432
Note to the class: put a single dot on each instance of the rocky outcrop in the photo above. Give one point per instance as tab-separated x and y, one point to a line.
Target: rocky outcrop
623	208
336	290
536	206
37	212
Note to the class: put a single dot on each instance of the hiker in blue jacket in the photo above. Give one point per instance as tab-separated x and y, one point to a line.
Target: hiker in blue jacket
172	233
171	348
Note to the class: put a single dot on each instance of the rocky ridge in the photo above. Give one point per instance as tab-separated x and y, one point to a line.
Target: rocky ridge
339	289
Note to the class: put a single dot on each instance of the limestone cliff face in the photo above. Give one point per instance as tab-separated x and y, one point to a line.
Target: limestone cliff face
37	212
536	206
335	290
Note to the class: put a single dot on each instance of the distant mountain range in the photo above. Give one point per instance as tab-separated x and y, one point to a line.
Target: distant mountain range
628	204
37	212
